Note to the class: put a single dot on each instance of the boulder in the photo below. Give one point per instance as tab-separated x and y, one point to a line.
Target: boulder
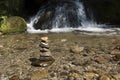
13	24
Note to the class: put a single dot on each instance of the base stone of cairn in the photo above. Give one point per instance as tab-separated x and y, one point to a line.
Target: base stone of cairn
46	58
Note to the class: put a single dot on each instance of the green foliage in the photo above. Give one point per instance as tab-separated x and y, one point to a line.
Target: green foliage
13	25
11	7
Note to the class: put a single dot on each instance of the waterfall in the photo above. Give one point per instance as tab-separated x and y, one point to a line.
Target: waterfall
61	16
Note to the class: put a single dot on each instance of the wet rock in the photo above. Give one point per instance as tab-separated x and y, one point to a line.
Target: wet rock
104	77
89	51
44	45
4	77
101	60
63	40
73	76
44	50
53	74
46	54
81	63
64	73
14	77
116	57
117	77
43	22
91	76
76	49
114	52
39	75
117	47
1	46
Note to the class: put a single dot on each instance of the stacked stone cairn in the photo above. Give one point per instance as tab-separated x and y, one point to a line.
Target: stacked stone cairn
46	58
44	47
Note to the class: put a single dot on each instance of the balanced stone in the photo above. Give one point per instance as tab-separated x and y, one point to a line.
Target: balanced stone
44	45
44	50
45	54
44	39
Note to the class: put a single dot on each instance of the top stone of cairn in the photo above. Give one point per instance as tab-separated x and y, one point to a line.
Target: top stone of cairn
44	38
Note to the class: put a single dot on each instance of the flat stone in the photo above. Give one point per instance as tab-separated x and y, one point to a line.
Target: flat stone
44	46
44	50
48	53
44	38
44	43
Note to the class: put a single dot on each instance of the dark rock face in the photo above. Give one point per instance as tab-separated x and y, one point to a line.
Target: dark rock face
31	7
104	11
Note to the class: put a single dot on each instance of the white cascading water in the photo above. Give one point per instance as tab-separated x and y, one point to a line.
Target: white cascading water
67	19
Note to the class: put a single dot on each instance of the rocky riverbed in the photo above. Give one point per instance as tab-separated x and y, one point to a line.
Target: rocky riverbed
77	57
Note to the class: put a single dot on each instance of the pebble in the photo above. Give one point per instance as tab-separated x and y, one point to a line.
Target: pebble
1	46
101	60
104	77
44	46
116	57
63	40
115	52
1	33
91	76
45	54
76	49
117	76
75	75
44	50
4	77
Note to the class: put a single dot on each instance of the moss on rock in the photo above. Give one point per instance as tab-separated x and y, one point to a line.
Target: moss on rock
13	25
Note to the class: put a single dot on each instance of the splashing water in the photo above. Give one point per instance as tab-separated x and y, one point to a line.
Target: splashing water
66	16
